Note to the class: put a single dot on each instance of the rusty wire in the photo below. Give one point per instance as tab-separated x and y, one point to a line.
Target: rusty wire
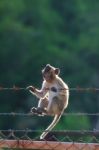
57	132
14	88
78	88
13	114
12	133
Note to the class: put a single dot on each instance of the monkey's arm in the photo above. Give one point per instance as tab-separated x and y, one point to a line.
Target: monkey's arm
39	93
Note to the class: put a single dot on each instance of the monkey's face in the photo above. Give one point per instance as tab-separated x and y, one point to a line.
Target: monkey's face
49	73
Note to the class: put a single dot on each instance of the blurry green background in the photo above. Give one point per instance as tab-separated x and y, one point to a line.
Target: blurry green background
64	33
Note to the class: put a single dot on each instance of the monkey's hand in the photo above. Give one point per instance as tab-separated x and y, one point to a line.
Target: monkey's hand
31	88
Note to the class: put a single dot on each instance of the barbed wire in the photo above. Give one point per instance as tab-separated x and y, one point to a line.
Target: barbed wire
65	139
78	88
31	114
58	132
14	88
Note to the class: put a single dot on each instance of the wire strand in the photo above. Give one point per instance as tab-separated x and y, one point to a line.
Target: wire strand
16	88
31	114
62	132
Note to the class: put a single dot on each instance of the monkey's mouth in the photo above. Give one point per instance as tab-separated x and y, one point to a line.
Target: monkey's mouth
46	77
49	78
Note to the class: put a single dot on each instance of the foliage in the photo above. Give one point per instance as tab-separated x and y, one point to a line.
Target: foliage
34	33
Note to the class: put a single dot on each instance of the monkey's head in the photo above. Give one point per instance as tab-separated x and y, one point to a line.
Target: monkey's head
49	73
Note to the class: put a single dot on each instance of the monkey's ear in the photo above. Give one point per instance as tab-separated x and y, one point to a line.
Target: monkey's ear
57	71
42	71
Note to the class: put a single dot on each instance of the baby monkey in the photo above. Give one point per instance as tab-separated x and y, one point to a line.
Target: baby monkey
53	95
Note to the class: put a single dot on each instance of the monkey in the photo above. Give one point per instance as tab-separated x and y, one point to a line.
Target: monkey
53	96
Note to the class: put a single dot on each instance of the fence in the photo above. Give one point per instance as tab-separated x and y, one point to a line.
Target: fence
10	139
56	140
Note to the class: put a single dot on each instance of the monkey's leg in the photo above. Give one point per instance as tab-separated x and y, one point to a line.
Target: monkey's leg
55	107
42	105
38	111
41	109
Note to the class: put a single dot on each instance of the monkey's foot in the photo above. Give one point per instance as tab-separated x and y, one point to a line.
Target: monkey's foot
34	110
37	111
40	111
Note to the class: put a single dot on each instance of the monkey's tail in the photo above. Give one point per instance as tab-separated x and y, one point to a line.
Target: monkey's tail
51	126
